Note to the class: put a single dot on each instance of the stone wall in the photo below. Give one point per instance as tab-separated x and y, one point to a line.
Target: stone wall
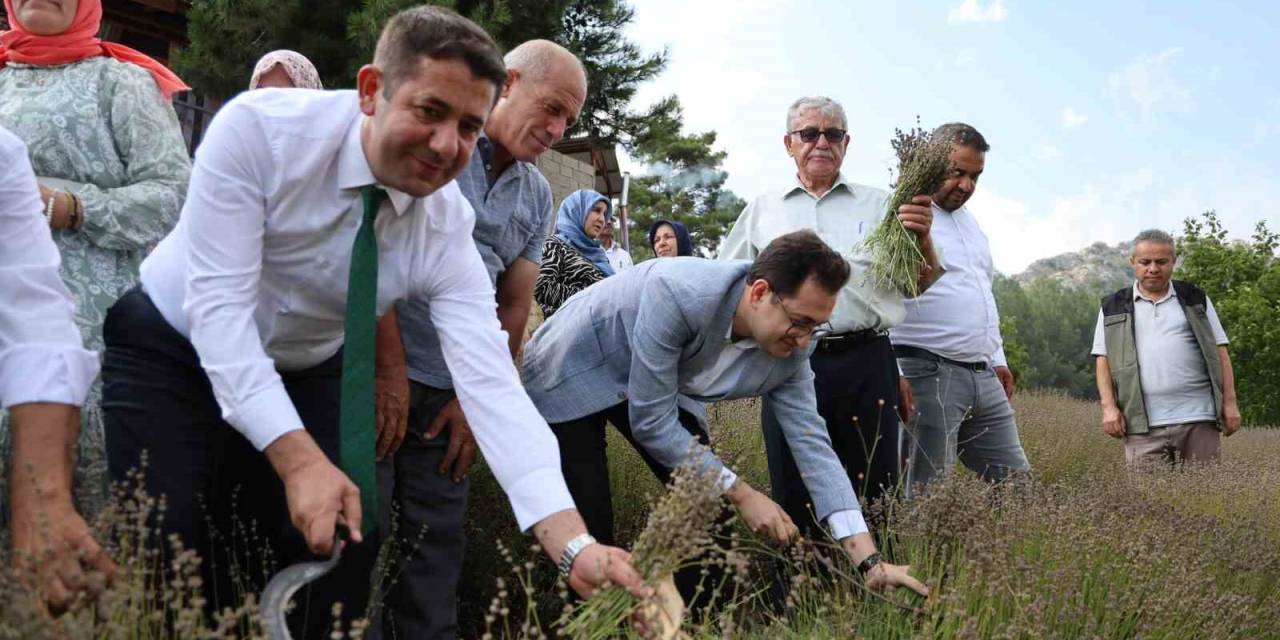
566	175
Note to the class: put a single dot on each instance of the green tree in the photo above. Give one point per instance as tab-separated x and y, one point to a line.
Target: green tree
1242	279
685	182
1048	333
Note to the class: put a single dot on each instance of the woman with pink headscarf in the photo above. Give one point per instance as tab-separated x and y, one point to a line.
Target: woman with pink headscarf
110	161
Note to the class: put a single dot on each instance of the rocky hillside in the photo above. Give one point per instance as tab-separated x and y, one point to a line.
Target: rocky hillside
1098	267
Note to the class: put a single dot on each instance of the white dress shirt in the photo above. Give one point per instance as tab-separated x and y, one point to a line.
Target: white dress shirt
41	356
842	217
956	317
255	274
618	257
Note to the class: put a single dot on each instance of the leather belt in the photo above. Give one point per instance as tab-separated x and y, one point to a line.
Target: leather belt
906	351
841	342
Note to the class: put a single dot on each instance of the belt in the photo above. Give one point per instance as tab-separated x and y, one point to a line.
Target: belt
841	342
906	351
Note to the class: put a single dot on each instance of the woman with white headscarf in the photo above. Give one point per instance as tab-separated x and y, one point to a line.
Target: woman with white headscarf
285	69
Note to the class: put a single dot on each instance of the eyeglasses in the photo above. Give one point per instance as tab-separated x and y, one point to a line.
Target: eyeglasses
802	328
833	135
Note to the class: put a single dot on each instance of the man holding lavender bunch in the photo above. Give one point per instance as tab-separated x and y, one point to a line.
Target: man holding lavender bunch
949	345
856	381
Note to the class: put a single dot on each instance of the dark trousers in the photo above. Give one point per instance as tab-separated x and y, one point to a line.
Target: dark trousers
223	499
857	393
585	466
429	511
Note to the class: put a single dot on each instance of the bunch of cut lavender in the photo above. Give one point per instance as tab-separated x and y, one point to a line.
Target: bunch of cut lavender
896	258
678	531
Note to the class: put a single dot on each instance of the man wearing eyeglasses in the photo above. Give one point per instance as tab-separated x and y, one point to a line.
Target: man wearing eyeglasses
626	347
856	380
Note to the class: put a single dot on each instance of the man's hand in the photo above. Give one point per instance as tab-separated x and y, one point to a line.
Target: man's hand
885	575
1230	417
318	493
906	400
917	215
1006	381
462	443
761	514
53	549
1113	421
391	397
596	564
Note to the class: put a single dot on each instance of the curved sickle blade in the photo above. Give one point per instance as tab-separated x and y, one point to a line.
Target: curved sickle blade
275	598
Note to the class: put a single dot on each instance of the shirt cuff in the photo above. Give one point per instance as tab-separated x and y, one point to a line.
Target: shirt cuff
998	359
727	478
265	416
538	495
845	523
46	373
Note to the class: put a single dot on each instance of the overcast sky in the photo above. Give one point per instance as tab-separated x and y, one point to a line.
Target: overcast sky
1104	118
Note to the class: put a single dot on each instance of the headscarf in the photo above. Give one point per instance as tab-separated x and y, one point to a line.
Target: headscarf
295	65
684	244
78	42
572	220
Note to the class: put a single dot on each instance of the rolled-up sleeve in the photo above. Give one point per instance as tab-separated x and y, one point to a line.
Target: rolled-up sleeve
514	438
41	356
224	219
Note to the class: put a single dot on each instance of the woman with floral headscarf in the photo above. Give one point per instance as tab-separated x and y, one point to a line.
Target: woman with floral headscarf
285	69
110	159
573	259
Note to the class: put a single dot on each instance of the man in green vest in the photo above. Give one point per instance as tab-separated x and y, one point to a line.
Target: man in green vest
1164	375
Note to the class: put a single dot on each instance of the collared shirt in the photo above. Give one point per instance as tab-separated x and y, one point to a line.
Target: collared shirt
1175	384
618	257
957	317
843	217
511	223
723	378
255	274
41	356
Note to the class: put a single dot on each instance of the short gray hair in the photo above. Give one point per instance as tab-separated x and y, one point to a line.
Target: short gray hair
959	133
822	104
536	58
1154	235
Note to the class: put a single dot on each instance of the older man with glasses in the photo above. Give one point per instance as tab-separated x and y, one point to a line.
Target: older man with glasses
856	380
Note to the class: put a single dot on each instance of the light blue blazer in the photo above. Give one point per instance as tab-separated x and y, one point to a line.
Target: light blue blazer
640	336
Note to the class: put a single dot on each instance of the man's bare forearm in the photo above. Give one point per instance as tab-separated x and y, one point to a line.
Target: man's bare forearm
1228	375
390	344
514	320
44	438
1102	375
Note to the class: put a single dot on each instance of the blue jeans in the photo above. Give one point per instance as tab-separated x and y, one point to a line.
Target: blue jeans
962	414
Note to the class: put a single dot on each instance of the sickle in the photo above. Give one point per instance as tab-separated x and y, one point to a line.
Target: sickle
275	598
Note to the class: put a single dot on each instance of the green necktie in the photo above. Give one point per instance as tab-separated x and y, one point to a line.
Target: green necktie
358	352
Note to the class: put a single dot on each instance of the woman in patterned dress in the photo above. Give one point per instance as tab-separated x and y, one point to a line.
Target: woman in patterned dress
573	259
111	162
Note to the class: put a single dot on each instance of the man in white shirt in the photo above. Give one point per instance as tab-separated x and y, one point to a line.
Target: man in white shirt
45	374
253	330
949	345
1164	376
855	378
618	257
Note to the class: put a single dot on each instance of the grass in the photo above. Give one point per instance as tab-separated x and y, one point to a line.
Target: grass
1085	550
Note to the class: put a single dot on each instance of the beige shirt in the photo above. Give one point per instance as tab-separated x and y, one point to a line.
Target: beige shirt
843	217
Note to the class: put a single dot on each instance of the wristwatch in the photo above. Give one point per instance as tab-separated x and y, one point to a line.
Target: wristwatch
571	551
869	563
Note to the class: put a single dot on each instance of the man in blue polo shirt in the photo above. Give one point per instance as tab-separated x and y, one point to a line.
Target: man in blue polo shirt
423	468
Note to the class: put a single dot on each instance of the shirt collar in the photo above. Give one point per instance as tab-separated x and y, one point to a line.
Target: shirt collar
798	187
1137	295
354	171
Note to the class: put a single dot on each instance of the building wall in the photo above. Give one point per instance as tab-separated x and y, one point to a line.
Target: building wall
566	175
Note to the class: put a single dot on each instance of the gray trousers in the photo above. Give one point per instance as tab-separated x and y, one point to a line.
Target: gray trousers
429	509
962	414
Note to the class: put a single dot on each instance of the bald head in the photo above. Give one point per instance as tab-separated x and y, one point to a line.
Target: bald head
541	99
543	60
